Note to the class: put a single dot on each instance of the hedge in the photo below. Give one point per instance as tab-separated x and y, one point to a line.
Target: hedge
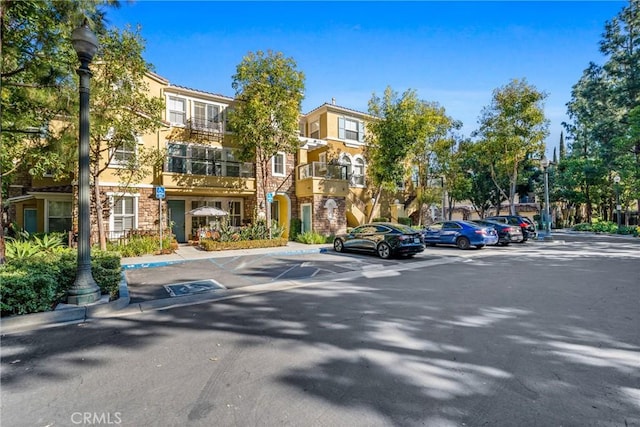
40	282
215	245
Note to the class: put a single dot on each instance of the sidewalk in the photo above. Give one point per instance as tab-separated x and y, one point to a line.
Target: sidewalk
190	253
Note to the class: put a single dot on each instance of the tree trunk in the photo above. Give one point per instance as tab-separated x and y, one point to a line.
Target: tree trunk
376	199
99	219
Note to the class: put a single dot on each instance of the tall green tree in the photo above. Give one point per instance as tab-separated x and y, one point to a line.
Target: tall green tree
435	157
600	111
37	82
621	43
513	128
400	123
269	91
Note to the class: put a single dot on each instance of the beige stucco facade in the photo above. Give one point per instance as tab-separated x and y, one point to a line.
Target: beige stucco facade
322	185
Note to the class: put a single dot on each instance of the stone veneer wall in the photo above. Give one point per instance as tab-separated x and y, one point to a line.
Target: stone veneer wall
321	223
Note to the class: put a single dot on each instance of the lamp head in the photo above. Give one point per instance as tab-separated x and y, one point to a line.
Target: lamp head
84	42
544	162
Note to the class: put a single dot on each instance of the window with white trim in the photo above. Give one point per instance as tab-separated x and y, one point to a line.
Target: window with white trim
58	216
207	116
315	129
125	153
177	110
278	164
346	162
123	215
350	129
357	178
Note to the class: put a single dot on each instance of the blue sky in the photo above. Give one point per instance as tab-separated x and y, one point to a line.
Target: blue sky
454	53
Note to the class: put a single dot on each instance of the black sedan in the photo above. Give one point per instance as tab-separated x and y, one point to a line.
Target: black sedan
383	238
506	233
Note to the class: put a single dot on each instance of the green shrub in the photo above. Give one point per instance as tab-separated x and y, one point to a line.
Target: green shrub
29	285
20	249
584	226
604	226
405	220
139	245
380	219
215	245
28	290
629	230
295	226
259	231
311	238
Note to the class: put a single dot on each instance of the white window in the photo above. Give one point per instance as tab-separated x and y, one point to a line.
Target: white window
232	206
205	160
322	159
123	217
346	162
278	163
59	216
177	110
125	153
357	178
207	116
350	129
235	213
315	129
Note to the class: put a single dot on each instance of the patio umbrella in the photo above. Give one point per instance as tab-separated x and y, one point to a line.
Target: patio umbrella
207	211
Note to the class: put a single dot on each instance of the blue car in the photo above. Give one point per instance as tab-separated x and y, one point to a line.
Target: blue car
463	234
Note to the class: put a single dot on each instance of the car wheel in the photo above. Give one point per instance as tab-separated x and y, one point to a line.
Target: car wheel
338	245
463	243
384	250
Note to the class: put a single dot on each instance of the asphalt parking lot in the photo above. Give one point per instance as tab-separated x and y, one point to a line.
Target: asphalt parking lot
204	275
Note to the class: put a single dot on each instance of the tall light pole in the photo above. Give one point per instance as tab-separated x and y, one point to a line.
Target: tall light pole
544	162
84	290
616	180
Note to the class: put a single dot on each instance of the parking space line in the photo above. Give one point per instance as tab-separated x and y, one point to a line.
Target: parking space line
285	272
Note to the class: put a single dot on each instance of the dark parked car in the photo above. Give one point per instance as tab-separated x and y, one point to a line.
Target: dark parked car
506	233
463	234
526	225
383	238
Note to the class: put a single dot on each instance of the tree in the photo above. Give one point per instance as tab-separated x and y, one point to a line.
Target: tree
436	157
121	111
269	92
513	129
37	82
400	124
600	111
476	167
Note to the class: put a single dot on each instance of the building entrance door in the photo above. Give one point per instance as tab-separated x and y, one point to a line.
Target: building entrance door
176	216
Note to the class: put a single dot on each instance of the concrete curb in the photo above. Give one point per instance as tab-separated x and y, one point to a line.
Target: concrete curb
68	313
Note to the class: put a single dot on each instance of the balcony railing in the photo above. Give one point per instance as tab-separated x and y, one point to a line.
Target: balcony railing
191	166
322	170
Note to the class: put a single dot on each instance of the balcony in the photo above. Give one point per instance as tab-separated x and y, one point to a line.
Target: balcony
199	176
322	178
205	129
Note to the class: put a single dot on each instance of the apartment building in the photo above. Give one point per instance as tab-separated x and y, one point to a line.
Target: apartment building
322	185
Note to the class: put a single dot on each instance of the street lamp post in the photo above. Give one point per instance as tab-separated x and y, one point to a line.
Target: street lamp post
547	217
616	180
84	290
